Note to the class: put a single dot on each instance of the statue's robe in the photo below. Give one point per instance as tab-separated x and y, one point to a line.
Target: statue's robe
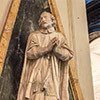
45	77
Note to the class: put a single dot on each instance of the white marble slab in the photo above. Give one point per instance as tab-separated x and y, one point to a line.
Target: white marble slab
95	61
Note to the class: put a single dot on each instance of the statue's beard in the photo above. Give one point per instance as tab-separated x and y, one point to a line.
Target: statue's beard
48	26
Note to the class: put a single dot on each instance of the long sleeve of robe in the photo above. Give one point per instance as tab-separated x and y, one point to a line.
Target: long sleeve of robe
62	50
34	51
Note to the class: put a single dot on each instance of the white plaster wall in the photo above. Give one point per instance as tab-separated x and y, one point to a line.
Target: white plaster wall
95	61
81	47
80	42
4	8
63	12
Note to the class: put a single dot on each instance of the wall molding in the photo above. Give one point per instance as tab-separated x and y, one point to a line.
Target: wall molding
7	31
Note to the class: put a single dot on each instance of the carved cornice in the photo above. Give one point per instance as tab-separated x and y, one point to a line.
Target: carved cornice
93	36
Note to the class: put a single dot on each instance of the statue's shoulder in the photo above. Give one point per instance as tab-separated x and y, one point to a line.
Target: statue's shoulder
59	34
35	33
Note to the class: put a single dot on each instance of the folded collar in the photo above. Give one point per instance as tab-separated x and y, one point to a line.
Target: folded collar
48	30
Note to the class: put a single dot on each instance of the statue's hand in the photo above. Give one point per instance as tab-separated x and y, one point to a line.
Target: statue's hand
52	44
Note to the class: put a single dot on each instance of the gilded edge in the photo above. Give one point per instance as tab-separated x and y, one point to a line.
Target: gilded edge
7	31
73	79
54	10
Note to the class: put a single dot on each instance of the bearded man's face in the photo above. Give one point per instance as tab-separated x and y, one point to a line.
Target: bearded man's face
45	20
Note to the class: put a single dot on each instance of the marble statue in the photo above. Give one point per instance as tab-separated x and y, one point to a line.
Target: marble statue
45	70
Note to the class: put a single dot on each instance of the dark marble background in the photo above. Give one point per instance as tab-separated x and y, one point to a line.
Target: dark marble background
26	22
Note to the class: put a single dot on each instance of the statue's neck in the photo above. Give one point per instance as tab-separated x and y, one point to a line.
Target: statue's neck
48	30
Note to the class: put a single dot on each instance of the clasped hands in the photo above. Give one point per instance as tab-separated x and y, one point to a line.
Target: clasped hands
52	44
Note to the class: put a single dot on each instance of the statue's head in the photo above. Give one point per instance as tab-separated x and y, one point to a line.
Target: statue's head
46	20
